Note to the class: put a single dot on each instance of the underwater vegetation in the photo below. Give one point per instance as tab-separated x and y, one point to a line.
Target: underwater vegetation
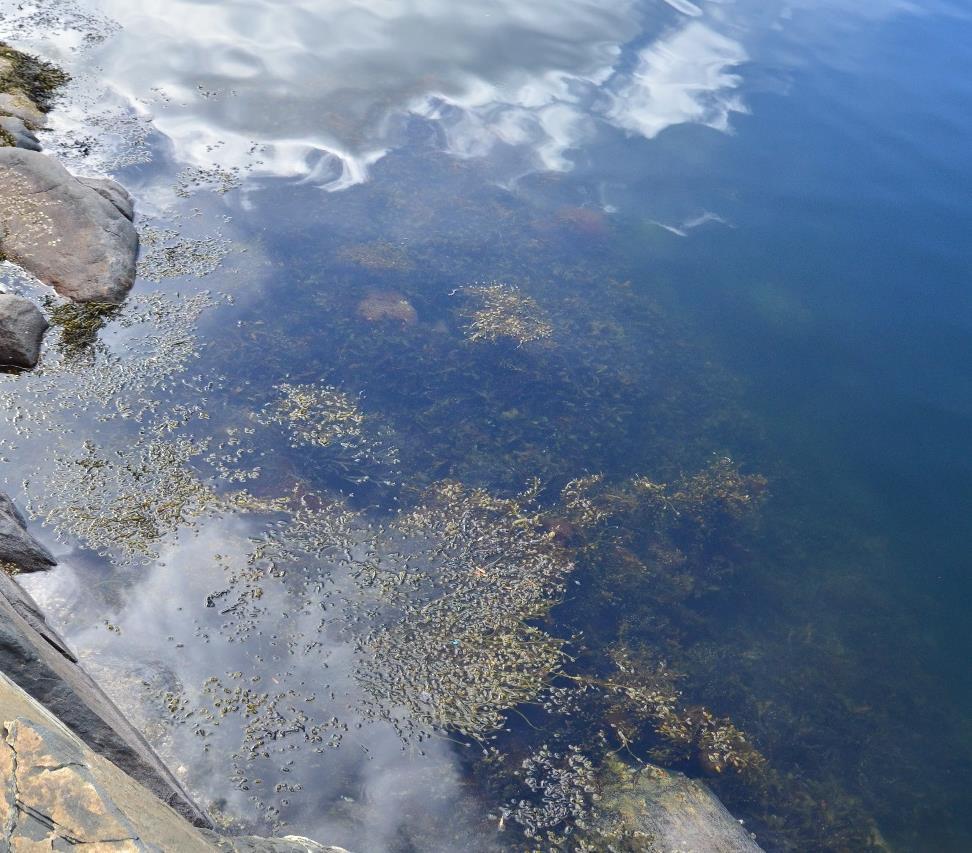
555	635
501	312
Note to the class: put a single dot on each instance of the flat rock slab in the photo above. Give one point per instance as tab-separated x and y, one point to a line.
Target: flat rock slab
56	793
72	236
19	551
22	327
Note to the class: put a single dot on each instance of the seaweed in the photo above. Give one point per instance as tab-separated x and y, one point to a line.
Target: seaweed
36	79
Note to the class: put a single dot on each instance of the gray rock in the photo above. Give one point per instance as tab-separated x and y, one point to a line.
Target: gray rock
666	812
16	103
38	661
115	193
18	548
22	327
22	136
56	793
64	232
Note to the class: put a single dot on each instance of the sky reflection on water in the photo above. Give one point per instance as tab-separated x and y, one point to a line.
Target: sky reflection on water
786	179
323	87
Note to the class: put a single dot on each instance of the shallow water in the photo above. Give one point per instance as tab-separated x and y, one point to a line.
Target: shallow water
734	231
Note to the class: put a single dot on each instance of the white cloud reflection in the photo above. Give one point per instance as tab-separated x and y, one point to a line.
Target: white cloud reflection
369	790
321	87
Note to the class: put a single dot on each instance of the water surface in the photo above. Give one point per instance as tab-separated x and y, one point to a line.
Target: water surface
735	235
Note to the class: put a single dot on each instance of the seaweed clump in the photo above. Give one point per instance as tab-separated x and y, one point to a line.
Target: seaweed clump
456	645
325	417
37	80
128	499
505	312
80	323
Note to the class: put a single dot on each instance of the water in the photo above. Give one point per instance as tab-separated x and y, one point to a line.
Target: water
730	231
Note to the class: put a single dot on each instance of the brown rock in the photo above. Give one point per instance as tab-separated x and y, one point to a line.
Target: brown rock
16	103
387	305
670	813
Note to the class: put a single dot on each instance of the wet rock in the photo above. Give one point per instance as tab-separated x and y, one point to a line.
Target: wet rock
57	793
17	104
19	551
22	327
21	135
36	659
68	234
115	193
666	812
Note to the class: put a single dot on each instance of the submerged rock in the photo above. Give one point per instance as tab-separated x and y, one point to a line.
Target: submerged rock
387	305
19	551
20	135
666	812
72	236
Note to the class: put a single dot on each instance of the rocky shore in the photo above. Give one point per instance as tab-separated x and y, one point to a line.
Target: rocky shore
73	234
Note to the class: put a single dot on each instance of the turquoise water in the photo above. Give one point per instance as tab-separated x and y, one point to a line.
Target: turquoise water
731	233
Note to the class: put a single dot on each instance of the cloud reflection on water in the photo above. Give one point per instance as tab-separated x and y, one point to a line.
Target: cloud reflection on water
157	630
321	87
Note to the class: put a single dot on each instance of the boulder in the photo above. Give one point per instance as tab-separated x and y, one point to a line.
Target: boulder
71	236
16	103
666	812
115	193
22	136
19	551
22	327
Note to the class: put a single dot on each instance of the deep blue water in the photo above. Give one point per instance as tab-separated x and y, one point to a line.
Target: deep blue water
747	230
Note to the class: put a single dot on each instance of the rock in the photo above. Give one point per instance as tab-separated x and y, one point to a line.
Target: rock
35	658
21	135
69	235
18	549
384	305
16	103
22	327
56	793
115	193
667	812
